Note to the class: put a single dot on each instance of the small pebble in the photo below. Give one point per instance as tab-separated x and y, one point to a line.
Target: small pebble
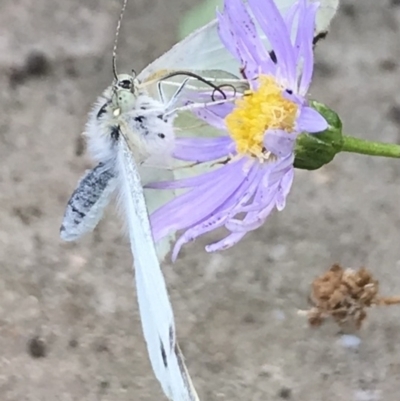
350	341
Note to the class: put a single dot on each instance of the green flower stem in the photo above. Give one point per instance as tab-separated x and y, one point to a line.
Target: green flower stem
363	147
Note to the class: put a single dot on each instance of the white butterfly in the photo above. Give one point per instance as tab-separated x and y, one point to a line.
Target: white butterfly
131	126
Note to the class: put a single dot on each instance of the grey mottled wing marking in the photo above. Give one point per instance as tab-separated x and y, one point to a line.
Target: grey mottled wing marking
86	205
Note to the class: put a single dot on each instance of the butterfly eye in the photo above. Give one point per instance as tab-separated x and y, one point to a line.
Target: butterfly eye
125	84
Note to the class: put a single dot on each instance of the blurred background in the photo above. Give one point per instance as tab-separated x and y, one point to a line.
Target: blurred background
69	325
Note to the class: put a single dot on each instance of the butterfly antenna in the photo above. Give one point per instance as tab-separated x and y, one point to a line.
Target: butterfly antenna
199	78
114	56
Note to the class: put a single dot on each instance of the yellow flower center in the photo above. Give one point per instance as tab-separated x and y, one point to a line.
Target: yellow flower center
258	111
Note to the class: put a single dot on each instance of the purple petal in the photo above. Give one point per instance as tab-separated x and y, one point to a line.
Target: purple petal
215	115
250	47
233	41
251	179
250	223
265	197
271	193
277	169
295	13
191	234
226	243
293	97
189	182
273	25
265	212
279	142
290	18
222	213
198	203
310	121
195	181
269	185
284	189
306	55
247	195
255	219
203	149
226	35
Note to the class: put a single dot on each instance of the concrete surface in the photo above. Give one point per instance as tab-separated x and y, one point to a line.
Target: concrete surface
69	327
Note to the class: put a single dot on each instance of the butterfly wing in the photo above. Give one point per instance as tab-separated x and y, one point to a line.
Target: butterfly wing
154	304
87	203
327	10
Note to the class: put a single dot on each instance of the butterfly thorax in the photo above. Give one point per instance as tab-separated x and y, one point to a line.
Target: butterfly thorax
126	109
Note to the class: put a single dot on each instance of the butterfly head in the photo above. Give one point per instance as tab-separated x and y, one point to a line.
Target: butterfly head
124	94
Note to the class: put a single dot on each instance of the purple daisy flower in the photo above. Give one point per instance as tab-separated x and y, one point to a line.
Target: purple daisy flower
260	128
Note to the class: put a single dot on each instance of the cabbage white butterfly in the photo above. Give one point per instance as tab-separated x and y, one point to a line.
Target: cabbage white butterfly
126	128
130	129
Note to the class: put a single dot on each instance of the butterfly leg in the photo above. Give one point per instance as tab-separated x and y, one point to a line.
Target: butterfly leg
160	91
193	106
175	96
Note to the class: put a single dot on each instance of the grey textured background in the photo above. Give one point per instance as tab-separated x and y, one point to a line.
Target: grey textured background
235	311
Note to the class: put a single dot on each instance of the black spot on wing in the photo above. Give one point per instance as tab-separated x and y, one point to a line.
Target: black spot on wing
140	119
319	36
171	337
163	354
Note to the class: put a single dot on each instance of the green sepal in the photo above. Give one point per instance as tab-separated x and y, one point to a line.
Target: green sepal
312	151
